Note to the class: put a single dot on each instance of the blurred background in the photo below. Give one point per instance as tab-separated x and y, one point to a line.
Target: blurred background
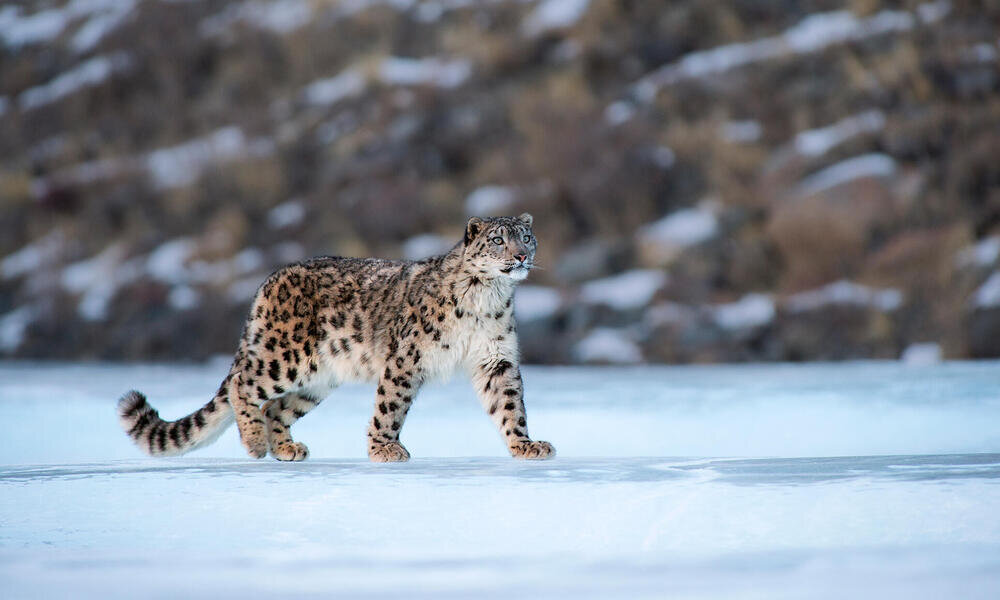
711	180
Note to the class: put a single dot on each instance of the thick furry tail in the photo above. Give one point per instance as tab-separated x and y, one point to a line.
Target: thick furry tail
157	437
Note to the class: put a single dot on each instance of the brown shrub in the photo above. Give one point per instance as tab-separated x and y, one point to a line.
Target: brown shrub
817	242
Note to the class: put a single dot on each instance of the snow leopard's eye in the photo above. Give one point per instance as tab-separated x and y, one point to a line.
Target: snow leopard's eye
497	240
526	238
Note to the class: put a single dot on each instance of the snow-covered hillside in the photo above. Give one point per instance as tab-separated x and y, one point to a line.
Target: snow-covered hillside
865	480
700	160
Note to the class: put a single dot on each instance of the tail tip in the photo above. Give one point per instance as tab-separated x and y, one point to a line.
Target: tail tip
131	405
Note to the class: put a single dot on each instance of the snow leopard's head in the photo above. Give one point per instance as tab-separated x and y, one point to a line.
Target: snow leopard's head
500	246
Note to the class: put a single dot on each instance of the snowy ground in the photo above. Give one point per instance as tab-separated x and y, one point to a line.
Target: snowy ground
866	480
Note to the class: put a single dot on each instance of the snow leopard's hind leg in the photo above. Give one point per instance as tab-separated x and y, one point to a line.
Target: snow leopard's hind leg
246	398
280	414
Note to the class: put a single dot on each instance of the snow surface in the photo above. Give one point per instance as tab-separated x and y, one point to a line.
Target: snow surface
882	482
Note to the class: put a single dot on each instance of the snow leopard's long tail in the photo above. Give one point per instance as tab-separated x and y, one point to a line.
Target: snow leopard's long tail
157	437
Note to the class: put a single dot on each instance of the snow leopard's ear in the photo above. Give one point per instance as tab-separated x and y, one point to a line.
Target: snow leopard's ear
526	219
472	229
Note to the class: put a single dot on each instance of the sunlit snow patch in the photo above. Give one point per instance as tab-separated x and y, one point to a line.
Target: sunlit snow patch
87	74
668	313
424	245
17	29
183	297
607	345
168	262
275	16
922	354
988	294
98	279
812	34
440	72
662	240
626	291
742	132
846	171
101	23
554	14
535	302
816	142
13	326
619	112
325	92
180	165
982	254
39	253
490	200
752	310
845	292
286	214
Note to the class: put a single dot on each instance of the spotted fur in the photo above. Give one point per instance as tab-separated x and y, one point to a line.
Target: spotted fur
319	323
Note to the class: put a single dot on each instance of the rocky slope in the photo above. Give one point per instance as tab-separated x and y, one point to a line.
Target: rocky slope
711	181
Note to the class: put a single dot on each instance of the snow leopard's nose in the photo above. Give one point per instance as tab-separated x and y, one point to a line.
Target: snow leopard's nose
521	257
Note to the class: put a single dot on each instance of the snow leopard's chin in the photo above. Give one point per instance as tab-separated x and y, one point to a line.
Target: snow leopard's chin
518	273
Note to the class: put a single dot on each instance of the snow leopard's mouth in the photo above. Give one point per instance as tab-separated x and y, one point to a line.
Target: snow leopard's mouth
515	268
518	271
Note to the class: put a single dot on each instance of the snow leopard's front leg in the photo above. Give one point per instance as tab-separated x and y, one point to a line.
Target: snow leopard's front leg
501	392
395	393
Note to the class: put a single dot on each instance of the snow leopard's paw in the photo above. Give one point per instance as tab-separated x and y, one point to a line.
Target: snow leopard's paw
391	452
255	443
293	451
532	450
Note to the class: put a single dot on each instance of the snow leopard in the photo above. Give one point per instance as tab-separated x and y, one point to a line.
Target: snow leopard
398	324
